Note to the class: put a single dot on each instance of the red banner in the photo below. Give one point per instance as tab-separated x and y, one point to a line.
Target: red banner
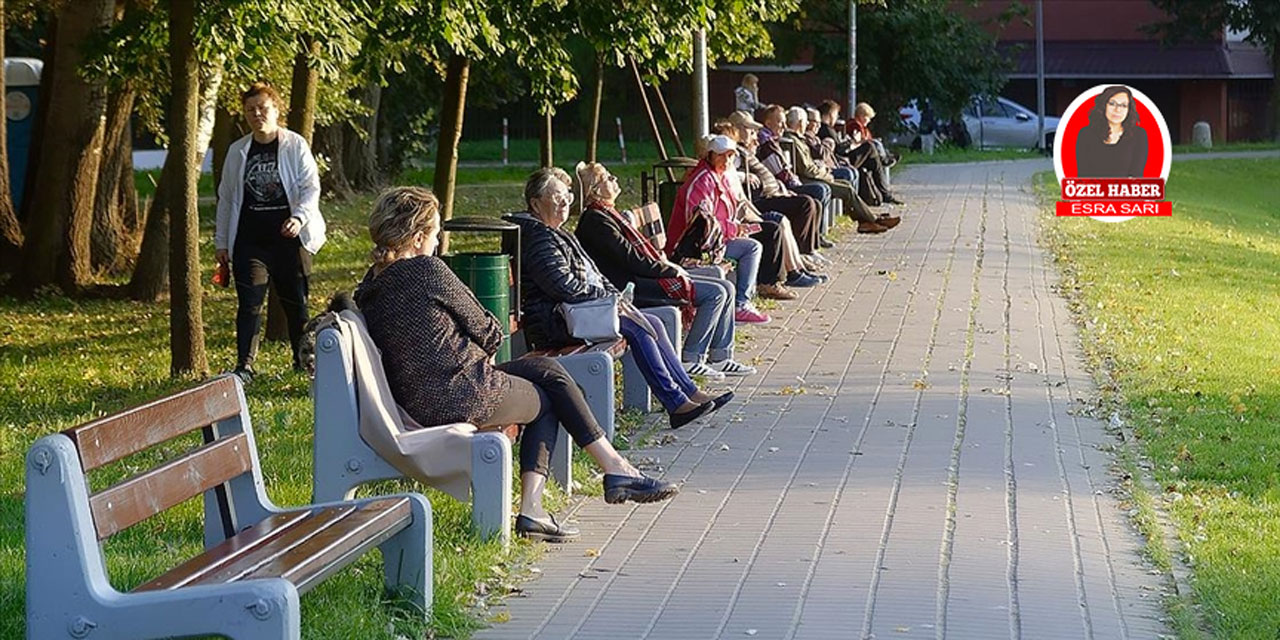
1112	189
1107	208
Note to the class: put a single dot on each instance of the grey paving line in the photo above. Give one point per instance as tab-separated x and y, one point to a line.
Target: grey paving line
957	449
728	494
1010	472
887	528
813	434
794	318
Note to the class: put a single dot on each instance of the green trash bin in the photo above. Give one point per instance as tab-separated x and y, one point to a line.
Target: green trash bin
488	275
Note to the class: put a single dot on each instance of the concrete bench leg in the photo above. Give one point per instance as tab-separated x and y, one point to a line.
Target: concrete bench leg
491	485
593	372
635	390
406	558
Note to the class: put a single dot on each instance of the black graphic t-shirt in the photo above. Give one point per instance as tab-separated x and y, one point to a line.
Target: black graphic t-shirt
265	207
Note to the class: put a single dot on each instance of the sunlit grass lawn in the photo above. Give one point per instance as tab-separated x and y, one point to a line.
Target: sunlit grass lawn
63	362
1184	313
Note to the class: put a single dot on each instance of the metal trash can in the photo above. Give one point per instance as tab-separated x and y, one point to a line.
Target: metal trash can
665	190
22	95
493	277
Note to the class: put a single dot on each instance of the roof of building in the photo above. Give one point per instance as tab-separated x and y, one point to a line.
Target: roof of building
1064	60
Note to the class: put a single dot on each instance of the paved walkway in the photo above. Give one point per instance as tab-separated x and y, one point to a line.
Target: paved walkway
909	464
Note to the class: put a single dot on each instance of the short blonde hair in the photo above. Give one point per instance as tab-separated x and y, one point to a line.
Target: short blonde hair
591	176
399	214
863	109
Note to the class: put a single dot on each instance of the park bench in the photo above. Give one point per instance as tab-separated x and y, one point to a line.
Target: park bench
257	558
355	444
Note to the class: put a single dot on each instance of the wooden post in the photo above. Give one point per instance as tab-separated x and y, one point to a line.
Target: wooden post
653	124
593	125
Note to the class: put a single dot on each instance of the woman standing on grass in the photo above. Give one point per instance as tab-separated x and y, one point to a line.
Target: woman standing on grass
437	346
268	222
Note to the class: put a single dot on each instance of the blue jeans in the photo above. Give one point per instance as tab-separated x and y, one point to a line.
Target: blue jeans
845	173
747	254
712	330
657	361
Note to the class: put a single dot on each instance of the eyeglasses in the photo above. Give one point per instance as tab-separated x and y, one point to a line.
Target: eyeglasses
1122	106
563	197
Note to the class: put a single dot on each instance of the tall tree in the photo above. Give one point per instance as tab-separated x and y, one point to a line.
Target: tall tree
186	319
57	250
455	96
302	90
1207	19
10	231
109	240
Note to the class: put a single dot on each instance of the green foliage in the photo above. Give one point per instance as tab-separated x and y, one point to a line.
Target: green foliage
906	49
1180	313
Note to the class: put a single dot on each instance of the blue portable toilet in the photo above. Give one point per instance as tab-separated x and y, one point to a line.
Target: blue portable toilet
22	92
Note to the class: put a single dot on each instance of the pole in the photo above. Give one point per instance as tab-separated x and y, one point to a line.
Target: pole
853	57
505	152
666	113
622	142
1040	74
701	113
653	124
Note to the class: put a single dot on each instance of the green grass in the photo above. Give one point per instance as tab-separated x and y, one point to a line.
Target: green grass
66	361
1232	146
526	151
1178	316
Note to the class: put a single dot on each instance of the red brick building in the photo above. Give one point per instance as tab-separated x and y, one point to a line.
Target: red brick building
1225	82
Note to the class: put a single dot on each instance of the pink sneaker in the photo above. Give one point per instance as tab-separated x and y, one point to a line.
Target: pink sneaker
750	315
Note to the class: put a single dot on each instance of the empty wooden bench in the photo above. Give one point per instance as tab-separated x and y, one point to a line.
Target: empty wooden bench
358	442
258	558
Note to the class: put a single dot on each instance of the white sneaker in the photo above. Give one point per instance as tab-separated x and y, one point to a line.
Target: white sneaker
731	367
701	369
820	259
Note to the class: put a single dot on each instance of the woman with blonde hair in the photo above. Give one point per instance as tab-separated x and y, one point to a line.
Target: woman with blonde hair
625	256
437	346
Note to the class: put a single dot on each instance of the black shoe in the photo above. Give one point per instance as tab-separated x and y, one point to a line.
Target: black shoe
825	243
681	419
245	374
619	489
822	277
721	400
551	531
892	200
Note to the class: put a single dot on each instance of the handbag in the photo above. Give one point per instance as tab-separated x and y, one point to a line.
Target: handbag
591	321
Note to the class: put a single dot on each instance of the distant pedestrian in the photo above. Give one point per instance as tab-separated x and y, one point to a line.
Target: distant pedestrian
747	95
268	222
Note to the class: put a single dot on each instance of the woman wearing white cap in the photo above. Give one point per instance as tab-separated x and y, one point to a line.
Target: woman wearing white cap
706	189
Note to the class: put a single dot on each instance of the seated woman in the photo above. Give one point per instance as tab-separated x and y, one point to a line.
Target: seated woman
625	255
707	188
437	346
555	269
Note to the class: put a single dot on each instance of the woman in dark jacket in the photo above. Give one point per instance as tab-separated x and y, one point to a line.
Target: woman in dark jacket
625	256
555	269
437	346
1112	145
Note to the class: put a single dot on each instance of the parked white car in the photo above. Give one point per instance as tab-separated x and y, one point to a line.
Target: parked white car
990	122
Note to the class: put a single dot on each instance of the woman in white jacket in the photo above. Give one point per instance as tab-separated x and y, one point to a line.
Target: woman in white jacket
268	223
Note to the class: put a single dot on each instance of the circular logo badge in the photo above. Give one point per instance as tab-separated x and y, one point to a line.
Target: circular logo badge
1112	132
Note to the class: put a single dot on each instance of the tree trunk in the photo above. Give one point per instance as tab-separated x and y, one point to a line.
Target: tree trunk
186	322
109	238
57	249
151	275
10	230
360	139
302	91
455	102
546	152
41	117
225	131
593	125
334	182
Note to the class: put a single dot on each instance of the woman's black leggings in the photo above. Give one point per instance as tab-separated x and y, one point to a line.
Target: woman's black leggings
543	397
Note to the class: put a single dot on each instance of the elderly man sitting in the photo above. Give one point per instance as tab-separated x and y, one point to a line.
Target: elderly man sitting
796	122
865	153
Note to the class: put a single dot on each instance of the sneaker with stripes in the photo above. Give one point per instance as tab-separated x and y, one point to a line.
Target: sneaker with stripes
701	369
731	367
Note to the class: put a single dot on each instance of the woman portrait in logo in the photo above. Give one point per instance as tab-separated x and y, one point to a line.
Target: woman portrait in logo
1112	145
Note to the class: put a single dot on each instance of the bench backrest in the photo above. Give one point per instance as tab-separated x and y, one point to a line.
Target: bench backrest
221	459
648	219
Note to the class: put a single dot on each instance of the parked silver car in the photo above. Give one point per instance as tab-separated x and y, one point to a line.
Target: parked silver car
1000	122
989	122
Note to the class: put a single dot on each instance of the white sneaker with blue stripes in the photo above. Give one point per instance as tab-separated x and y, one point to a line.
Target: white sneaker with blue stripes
731	367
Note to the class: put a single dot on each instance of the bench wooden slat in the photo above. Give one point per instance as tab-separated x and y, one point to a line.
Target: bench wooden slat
250	548
129	502
108	439
614	348
332	549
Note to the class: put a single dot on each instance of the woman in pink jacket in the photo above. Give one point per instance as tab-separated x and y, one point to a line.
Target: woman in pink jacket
706	189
